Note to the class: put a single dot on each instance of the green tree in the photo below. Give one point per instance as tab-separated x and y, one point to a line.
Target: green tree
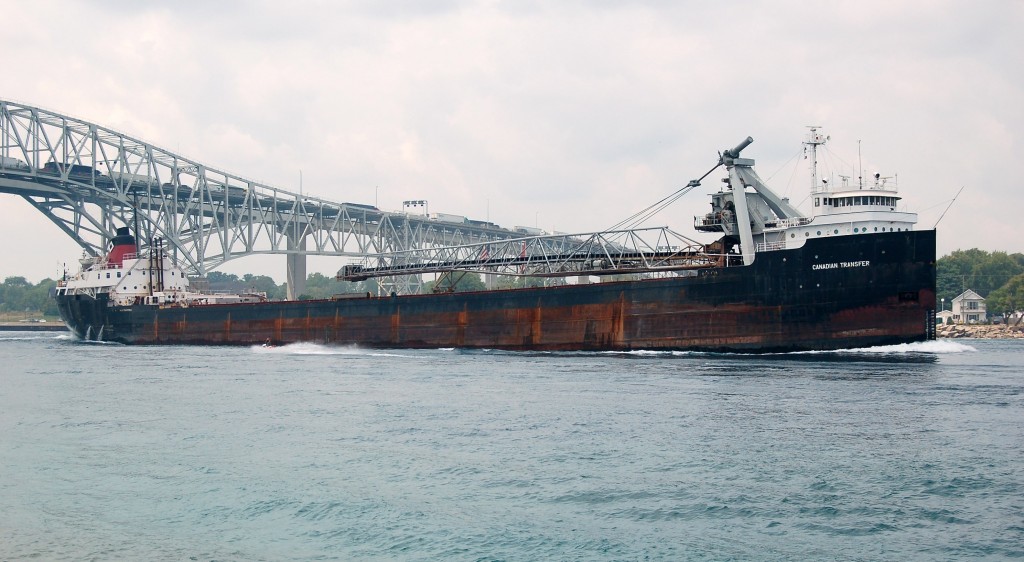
516	282
18	295
1008	298
219	278
265	284
320	286
994	272
952	272
463	282
974	269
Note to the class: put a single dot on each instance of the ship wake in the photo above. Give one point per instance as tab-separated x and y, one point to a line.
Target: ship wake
306	348
933	347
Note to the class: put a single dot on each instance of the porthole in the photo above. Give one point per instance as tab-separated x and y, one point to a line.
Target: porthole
855	230
876	229
836	231
819	233
792	235
807	234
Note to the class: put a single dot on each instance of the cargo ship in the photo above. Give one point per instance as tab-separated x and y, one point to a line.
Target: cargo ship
854	273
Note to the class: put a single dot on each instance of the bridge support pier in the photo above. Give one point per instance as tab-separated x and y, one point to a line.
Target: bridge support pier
296	267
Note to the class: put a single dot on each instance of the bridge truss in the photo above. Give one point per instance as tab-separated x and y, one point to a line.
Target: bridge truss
88	180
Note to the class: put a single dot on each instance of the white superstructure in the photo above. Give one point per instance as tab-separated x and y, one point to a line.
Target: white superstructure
774	224
128	279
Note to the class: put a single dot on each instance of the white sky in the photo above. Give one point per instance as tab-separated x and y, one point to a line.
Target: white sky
570	115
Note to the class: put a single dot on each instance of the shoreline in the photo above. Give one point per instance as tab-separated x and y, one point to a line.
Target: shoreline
33	327
986	331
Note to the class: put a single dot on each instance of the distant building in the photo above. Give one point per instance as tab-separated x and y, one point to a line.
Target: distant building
943	316
969	308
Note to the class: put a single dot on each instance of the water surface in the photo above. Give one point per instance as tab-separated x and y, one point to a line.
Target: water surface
308	452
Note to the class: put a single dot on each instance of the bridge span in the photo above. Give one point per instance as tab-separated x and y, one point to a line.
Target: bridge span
89	179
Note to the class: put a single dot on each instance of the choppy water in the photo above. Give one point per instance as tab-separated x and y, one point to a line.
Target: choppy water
308	452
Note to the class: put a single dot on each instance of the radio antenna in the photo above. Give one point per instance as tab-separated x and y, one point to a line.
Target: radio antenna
948	206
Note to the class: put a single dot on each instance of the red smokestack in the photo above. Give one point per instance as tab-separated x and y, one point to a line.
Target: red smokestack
122	245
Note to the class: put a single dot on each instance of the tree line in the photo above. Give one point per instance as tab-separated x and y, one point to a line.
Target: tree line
19	296
997	276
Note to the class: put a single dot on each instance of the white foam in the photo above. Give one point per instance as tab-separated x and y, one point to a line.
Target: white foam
644	352
939	347
307	348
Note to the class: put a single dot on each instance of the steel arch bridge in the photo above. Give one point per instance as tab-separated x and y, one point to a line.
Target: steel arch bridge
88	180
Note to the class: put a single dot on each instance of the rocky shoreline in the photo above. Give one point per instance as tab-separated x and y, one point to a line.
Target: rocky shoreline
980	331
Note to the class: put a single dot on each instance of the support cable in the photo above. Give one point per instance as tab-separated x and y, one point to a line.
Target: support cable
639	217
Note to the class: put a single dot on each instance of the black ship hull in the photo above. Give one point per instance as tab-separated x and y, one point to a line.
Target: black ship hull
833	293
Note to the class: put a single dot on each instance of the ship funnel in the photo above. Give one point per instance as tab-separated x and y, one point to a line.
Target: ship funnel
735	152
122	245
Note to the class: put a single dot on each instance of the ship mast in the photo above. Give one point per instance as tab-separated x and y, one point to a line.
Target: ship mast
814	139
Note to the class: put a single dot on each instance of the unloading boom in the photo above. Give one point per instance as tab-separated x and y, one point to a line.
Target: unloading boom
650	250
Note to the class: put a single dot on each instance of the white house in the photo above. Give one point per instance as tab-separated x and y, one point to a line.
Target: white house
969	308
